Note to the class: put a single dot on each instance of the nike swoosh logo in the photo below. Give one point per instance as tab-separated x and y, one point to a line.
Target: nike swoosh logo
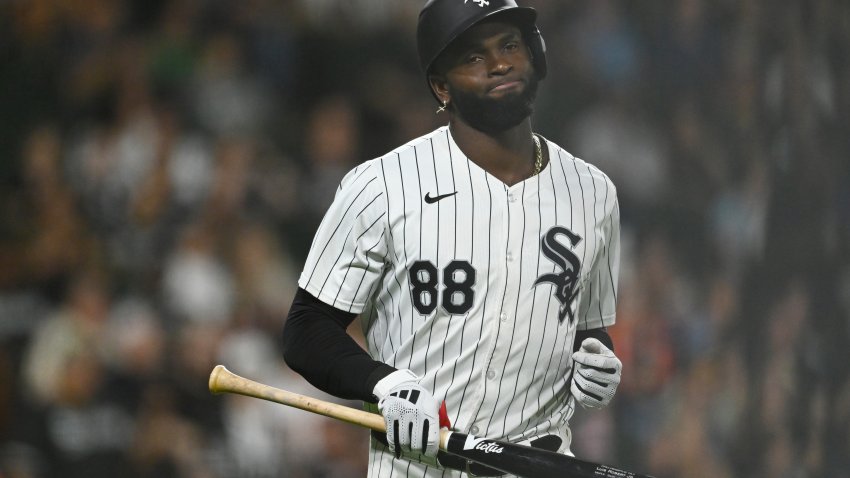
432	200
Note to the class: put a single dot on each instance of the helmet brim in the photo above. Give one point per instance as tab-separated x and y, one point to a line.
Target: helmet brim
523	17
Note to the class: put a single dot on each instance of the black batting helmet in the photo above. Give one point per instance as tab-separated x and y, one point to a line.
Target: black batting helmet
441	21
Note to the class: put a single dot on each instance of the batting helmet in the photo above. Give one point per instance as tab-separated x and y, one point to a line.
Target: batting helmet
442	21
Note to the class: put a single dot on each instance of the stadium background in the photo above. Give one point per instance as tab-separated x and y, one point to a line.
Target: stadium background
164	164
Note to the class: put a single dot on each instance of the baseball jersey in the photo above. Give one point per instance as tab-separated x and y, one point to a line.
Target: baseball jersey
476	286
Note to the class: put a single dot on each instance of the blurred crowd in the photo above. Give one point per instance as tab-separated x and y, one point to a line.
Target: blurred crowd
165	164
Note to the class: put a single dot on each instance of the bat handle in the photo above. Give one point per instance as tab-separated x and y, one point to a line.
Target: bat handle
225	381
445	433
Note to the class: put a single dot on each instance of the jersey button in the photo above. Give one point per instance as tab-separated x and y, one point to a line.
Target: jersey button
491	374
509	257
503	316
473	430
511	198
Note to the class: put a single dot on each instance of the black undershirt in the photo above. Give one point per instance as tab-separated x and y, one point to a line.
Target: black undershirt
600	334
317	346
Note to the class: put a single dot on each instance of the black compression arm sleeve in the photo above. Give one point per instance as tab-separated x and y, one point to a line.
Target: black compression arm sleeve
600	334
317	346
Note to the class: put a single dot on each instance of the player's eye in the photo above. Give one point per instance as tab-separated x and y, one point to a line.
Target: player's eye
511	46
474	58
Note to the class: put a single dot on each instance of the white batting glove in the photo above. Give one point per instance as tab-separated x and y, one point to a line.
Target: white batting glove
410	412
596	374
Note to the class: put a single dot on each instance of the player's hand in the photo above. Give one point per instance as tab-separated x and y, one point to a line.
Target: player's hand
596	374
410	412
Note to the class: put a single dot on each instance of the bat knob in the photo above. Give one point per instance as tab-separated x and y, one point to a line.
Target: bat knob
217	372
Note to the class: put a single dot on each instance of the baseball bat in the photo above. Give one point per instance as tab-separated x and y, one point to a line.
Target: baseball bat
520	460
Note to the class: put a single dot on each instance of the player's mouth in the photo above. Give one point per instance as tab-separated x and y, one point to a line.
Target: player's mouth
506	86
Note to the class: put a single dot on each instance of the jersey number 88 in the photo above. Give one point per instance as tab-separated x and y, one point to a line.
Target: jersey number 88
458	294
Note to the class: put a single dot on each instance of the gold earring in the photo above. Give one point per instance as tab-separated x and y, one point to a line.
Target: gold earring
442	108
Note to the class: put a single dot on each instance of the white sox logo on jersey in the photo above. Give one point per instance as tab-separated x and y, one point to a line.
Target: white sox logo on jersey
566	281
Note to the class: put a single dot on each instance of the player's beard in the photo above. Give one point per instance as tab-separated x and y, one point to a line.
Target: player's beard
495	115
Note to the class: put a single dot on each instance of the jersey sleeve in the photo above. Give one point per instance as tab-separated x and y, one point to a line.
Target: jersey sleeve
347	254
598	306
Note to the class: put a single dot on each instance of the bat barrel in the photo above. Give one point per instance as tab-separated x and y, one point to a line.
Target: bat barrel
523	460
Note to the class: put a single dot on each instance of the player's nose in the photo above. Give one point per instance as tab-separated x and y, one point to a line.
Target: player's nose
499	64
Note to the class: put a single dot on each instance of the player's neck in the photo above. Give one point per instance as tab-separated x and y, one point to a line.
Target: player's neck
508	156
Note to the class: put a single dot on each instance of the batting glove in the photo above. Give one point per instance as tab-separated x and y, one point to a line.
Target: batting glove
410	412
596	374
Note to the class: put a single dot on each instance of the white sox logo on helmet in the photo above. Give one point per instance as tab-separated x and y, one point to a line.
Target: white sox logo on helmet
481	3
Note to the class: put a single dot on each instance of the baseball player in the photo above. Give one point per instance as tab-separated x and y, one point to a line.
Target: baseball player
481	258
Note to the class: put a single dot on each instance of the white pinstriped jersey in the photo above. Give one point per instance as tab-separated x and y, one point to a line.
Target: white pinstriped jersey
476	286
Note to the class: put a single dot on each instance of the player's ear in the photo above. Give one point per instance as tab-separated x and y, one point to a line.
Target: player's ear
440	88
